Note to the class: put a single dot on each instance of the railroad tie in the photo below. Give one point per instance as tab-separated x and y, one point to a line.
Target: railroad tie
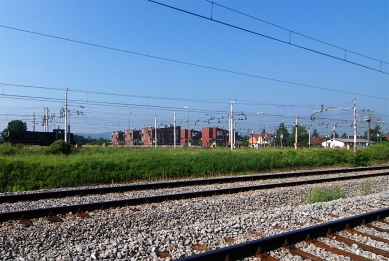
82	215
360	245
303	254
264	256
338	251
25	222
377	228
352	231
54	218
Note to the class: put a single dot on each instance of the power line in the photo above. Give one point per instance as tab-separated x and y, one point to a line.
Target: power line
186	63
291	31
273	38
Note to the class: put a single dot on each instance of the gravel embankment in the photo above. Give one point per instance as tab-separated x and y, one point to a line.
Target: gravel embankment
46	203
175	227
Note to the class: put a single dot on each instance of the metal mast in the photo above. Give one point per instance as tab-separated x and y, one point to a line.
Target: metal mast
355	126
66	116
174	131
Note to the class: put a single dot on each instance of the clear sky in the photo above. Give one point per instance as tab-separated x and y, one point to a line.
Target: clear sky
131	61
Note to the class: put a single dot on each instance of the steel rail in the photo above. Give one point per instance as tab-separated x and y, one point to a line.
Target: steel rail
292	237
161	185
35	213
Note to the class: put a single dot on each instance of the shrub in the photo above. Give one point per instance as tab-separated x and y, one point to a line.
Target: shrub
7	150
360	160
59	147
366	188
324	195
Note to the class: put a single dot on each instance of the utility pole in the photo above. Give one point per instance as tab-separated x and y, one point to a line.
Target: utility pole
295	137
66	116
233	131
174	131
231	127
260	127
130	136
186	107
33	121
355	126
368	120
46	120
129	121
333	136
282	132
155	123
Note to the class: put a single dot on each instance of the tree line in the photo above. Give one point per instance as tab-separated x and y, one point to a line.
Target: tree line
288	140
18	125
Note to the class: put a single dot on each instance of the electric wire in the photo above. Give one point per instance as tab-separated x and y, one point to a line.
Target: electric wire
291	31
189	63
269	37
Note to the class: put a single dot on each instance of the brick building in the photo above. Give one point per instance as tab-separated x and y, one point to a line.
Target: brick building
214	137
117	137
132	137
165	135
147	136
194	136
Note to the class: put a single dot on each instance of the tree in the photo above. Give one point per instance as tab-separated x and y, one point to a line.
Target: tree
315	133
375	134
244	140
285	134
302	137
344	135
15	125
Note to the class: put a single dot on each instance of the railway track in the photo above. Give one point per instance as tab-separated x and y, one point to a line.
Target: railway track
183	228
175	184
101	205
260	248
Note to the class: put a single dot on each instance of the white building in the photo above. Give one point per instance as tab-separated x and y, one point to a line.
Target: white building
344	143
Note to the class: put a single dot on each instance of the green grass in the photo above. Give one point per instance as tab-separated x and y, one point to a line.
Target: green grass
366	188
324	195
30	168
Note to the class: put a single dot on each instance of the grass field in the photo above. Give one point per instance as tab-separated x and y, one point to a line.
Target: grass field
31	168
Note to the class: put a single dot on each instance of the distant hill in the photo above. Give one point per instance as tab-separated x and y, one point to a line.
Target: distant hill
104	135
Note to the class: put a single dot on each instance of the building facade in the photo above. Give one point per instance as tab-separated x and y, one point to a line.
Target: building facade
214	137
344	143
132	137
194	136
117	137
261	140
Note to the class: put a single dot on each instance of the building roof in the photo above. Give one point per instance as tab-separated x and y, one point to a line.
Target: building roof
352	140
317	140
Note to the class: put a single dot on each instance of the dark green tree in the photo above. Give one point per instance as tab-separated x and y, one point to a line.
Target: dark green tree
285	135
315	133
375	134
302	137
244	141
344	135
15	125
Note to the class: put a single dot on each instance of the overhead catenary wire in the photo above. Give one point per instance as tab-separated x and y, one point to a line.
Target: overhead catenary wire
189	64
114	119
292	31
270	37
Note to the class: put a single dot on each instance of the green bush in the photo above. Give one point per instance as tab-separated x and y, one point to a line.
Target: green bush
59	147
7	150
324	195
360	160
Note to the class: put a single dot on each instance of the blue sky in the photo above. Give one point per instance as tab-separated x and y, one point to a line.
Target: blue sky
159	61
